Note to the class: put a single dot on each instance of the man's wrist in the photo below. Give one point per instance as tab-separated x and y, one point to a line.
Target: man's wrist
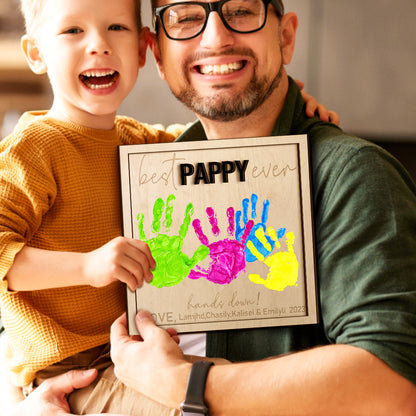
194	403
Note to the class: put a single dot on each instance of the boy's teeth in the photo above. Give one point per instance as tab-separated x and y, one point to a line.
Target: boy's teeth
99	79
220	69
98	73
97	86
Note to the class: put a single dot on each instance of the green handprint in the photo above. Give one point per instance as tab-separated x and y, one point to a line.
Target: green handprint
283	266
172	265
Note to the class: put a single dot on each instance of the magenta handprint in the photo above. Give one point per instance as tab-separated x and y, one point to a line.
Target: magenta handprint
227	256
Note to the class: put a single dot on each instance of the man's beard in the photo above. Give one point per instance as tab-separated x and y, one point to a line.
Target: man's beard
218	107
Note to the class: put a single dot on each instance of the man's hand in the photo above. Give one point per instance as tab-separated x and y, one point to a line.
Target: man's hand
50	398
152	364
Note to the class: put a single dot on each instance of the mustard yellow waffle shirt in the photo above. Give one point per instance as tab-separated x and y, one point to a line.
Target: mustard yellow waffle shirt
60	190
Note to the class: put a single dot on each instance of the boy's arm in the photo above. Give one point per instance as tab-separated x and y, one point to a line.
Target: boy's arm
124	259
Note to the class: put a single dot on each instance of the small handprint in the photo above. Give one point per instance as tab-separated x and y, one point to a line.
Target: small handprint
227	256
283	266
172	265
265	250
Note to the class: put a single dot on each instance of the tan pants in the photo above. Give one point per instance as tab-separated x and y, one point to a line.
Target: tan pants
106	394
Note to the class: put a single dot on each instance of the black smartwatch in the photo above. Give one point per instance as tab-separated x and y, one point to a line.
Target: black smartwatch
194	404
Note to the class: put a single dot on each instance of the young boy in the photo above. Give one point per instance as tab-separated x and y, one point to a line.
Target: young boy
62	263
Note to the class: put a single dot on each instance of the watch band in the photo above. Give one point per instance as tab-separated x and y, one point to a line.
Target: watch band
194	404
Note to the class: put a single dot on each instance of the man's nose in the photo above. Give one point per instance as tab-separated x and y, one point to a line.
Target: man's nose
98	45
216	35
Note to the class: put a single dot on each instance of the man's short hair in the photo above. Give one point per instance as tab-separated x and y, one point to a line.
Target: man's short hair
278	4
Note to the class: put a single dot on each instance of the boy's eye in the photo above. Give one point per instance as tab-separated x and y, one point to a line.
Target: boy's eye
72	31
117	27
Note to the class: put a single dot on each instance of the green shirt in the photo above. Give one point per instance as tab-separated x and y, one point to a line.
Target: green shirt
365	232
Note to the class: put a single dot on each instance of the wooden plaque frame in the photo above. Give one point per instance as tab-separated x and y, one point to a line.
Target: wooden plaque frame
182	199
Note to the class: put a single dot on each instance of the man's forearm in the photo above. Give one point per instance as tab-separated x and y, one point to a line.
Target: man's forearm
332	380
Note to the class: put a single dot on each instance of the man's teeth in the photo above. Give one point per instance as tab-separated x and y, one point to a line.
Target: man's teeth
220	69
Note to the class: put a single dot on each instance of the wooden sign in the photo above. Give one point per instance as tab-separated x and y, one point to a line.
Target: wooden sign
229	223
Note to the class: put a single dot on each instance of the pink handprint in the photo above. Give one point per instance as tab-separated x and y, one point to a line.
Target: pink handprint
227	256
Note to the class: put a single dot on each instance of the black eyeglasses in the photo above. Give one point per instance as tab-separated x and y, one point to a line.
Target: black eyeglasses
188	19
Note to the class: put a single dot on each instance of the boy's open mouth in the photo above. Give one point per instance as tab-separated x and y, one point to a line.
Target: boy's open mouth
99	79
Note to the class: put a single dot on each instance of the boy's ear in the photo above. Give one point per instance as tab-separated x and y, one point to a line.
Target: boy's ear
144	33
289	26
153	44
33	56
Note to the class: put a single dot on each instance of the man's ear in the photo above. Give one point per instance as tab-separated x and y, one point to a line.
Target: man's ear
153	44
33	56
289	25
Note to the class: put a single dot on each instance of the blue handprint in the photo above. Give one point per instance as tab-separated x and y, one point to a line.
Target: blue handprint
265	250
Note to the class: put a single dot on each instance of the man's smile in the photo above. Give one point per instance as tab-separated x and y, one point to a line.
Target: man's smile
221	69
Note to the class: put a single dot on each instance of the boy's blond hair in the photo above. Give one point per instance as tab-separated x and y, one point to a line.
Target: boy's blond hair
32	10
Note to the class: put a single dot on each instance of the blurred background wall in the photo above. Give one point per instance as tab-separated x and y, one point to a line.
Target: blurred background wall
357	57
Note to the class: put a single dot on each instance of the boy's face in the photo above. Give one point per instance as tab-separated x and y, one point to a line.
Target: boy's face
92	52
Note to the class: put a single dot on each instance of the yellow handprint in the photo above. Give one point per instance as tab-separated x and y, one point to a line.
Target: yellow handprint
283	266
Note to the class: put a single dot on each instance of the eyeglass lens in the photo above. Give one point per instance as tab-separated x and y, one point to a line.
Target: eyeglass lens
186	20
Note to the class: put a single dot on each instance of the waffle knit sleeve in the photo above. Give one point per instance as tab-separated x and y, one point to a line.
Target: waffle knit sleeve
27	189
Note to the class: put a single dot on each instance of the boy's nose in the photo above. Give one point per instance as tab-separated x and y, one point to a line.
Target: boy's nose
98	46
97	52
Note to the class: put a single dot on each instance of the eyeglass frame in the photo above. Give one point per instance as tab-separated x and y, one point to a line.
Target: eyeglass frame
213	6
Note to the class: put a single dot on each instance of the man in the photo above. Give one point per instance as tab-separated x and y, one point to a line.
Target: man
361	358
353	362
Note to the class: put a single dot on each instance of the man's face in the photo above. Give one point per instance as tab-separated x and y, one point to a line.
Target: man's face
222	75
